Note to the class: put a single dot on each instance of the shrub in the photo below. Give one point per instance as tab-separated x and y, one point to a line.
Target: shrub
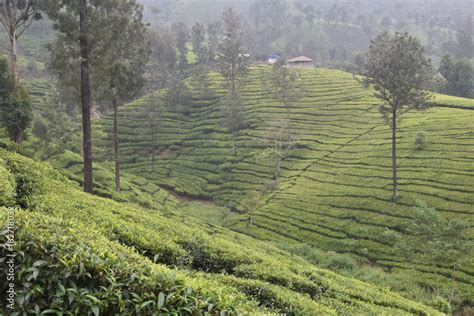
420	140
441	304
340	262
16	115
28	179
7	186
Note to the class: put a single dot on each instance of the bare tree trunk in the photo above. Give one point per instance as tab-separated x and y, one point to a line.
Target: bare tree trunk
13	59
277	168
85	98
289	126
394	153
152	126
116	147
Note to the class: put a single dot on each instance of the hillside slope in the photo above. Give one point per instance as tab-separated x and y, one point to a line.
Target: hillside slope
334	191
87	254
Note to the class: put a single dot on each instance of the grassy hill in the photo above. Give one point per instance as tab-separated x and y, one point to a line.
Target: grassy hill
91	255
334	192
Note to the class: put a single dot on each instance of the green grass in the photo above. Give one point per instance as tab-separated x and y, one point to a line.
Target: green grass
76	242
334	192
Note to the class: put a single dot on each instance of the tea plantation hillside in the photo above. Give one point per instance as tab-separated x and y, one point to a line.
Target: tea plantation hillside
89	255
334	191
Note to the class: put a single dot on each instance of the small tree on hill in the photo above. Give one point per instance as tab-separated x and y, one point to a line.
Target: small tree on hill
178	99
398	70
459	76
16	112
201	83
285	88
153	112
274	140
251	202
433	239
233	114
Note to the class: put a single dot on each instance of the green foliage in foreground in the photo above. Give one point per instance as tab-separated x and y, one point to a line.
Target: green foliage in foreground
90	255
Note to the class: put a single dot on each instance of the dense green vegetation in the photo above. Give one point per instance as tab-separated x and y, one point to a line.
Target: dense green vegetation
227	186
334	188
89	255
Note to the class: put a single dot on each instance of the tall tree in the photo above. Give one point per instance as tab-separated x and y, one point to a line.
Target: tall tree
233	61
214	30
85	97
16	16
124	61
285	88
198	37
112	54
163	59
181	39
398	71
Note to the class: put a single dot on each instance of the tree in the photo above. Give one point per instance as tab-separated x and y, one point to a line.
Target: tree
432	239
285	88
163	56
178	99
153	112
16	16
181	39
251	202
5	81
398	70
233	113
72	62
15	106
201	83
214	30
198	37
274	141
233	62
459	75
465	45
85	97
112	53
124	62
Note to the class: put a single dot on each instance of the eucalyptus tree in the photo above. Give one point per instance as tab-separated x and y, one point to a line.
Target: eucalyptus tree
398	70
16	16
